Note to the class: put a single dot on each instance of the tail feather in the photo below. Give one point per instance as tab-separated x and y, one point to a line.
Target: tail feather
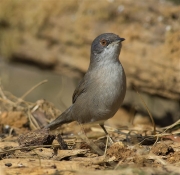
65	117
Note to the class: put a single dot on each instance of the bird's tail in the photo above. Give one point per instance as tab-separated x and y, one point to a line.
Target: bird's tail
65	117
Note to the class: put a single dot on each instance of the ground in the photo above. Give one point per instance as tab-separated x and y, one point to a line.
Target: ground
56	35
77	149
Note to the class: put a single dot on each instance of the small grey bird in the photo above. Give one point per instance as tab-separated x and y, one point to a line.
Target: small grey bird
102	89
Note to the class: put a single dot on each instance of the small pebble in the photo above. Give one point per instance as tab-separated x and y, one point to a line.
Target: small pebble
8	164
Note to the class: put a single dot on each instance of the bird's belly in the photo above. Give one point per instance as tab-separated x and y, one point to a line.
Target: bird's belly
108	95
102	98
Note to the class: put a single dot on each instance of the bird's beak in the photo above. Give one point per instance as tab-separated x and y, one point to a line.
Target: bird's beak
121	39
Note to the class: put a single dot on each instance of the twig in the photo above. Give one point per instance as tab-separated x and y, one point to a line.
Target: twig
106	145
27	147
4	98
90	143
29	91
152	120
2	93
171	126
8	101
33	121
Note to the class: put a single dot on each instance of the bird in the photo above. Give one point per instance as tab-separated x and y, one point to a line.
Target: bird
101	91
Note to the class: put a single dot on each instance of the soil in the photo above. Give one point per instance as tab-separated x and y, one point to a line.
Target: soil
56	35
71	149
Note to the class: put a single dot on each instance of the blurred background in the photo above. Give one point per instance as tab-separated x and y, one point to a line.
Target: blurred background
50	39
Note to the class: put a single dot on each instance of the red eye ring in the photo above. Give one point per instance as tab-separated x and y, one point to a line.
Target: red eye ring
103	42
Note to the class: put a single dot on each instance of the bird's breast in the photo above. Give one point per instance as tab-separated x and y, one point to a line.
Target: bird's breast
110	84
103	95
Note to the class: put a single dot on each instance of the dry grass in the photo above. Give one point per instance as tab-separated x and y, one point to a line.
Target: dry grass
83	151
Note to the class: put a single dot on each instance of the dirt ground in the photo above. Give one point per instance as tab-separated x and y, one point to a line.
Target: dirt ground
76	149
56	35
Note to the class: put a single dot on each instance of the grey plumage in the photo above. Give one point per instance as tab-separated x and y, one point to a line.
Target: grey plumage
102	90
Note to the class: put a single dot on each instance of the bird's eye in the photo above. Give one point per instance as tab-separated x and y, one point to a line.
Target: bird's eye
103	42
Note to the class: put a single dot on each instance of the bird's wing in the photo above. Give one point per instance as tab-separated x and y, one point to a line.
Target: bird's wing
81	88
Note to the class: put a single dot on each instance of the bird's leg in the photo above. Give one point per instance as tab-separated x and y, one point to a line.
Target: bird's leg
89	142
107	135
